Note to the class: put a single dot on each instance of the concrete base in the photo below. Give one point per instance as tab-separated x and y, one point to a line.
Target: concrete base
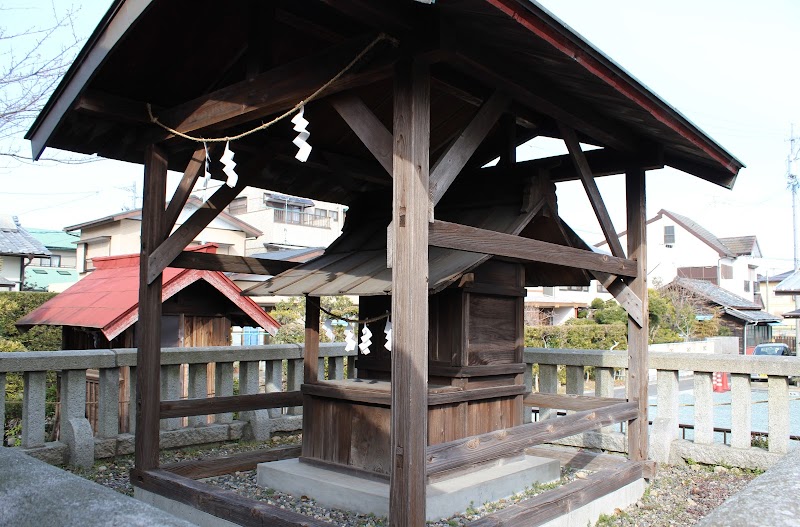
590	513
444	498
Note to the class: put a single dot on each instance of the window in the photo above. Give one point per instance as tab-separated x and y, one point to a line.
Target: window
238	206
747	286
585	288
601	289
669	234
726	271
549	291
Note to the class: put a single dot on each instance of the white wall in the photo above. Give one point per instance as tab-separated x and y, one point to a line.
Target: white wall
10	269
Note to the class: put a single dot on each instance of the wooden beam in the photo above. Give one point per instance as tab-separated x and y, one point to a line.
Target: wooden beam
218	466
448	166
560	501
511	441
193	170
603	162
544	99
113	107
590	185
366	126
230	264
224	504
279	89
613	283
169	249
311	347
638	332
465	238
719	176
148	354
409	239
568	402
233	403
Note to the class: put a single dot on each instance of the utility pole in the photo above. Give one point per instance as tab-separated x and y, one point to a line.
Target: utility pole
793	183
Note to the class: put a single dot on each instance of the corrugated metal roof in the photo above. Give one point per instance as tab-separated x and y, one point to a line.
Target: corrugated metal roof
355	264
40	278
16	241
53	239
752	316
109	296
789	285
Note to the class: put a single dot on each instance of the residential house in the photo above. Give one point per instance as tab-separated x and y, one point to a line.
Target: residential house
17	250
678	246
552	306
778	303
744	318
287	222
120	234
58	271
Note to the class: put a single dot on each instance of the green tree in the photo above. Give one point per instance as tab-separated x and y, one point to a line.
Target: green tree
291	314
15	305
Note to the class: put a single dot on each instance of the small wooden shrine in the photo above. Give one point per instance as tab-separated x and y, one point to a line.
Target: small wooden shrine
394	109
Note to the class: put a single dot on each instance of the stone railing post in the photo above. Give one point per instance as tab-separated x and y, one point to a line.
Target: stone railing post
198	389
294	379
273	382
604	387
703	408
778	393
258	427
548	383
171	391
527	415
351	367
321	369
34	390
665	425
575	380
223	387
132	400
76	431
741	411
338	368
108	405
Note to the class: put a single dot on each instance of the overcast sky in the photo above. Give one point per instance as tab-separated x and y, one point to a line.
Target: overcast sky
730	66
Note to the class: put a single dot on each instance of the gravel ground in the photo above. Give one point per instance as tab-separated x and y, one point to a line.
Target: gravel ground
678	496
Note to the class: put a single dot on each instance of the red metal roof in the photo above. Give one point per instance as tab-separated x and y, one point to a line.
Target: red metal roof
108	298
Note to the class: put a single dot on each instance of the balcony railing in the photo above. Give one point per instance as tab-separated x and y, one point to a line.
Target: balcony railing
305	219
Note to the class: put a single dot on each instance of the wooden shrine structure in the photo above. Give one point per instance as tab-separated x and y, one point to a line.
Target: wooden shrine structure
407	103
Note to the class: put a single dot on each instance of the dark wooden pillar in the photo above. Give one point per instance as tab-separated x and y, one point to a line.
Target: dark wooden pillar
637	335
311	346
148	356
409	239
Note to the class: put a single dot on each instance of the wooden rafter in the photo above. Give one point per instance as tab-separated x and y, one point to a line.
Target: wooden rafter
449	165
278	89
184	190
546	101
590	185
367	127
167	251
465	238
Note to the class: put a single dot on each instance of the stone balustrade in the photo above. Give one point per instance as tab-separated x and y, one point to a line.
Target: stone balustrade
274	368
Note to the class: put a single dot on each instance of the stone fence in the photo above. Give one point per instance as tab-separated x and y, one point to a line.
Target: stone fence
273	368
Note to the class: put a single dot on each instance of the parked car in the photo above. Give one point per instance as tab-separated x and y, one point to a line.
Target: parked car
774	349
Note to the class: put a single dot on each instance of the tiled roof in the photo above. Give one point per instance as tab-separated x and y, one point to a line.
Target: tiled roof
742	245
775	278
752	316
16	241
108	298
701	232
714	293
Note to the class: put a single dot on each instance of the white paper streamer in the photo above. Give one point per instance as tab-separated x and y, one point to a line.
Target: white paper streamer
350	342
366	335
207	175
229	165
327	327
304	149
388	332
